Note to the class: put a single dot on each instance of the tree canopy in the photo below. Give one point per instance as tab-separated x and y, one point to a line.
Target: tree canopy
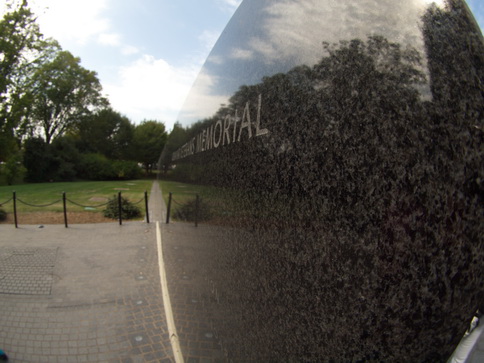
53	116
149	139
63	92
106	132
19	35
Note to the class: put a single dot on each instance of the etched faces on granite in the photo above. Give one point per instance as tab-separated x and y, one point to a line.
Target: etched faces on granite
340	144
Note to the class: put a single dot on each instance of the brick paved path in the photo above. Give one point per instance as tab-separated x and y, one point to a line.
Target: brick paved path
27	271
89	293
191	292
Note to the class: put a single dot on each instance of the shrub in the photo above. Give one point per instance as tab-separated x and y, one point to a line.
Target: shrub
66	156
14	169
38	160
126	169
99	167
96	167
3	215
128	209
187	212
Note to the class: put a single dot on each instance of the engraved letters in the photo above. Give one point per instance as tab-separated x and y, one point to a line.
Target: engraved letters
223	132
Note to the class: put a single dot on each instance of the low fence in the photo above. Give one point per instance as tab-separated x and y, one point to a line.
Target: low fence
66	200
196	208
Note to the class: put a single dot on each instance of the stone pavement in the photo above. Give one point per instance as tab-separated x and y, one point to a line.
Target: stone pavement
91	293
188	287
192	293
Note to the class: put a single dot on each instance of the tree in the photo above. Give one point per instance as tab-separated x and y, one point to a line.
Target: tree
149	140
20	41
106	132
66	157
38	160
63	93
177	137
51	162
14	168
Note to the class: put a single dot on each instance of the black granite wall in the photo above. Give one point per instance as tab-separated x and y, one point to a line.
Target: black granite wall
347	192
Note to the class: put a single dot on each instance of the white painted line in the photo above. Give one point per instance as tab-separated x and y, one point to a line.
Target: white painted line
175	343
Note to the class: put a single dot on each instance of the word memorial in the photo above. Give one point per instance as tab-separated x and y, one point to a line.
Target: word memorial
223	132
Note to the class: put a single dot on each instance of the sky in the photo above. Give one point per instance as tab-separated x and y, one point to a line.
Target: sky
147	53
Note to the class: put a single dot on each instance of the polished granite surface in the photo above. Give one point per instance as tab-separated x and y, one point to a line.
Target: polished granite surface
340	146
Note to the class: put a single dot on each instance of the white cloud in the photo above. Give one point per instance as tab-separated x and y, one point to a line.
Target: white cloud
115	40
201	102
215	59
72	20
150	88
294	37
129	50
208	39
239	53
230	5
80	23
111	39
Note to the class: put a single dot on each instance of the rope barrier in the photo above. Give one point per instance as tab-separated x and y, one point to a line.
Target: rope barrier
138	202
64	200
40	205
6	201
87	206
186	211
180	204
67	199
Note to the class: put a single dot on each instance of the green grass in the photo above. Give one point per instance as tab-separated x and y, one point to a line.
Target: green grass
224	203
183	192
228	204
89	193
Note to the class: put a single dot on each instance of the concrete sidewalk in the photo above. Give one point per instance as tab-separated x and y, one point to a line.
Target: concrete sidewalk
192	292
88	293
91	293
189	289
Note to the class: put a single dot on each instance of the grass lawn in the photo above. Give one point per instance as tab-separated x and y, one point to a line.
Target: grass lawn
230	205
223	202
183	192
88	193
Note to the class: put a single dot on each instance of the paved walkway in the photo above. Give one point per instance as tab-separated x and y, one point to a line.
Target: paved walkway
192	293
91	293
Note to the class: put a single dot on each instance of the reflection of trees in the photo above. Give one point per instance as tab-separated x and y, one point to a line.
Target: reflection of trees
456	57
176	139
376	195
357	85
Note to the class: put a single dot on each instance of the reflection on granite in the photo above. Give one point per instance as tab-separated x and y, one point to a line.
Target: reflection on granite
344	179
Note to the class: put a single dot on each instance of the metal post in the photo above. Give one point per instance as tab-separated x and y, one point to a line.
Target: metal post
15	208
65	208
120	209
168	209
197	207
146	208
